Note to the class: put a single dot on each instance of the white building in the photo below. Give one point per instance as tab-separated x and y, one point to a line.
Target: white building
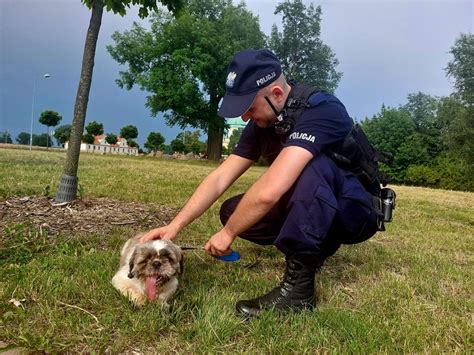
100	146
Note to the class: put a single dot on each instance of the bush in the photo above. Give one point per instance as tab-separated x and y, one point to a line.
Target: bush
455	174
421	175
445	173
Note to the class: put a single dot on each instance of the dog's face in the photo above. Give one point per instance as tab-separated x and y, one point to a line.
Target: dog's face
154	263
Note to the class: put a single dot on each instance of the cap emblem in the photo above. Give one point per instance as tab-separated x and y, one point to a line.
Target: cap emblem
230	79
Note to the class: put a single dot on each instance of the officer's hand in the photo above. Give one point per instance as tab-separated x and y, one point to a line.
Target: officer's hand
219	244
165	233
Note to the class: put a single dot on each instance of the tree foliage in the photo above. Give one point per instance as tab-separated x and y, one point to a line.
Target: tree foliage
111	138
190	142
461	67
182	62
95	128
413	151
145	6
459	132
88	138
42	140
132	143
49	119
5	137
388	129
422	108
423	111
62	133
23	138
177	145
428	139
154	141
305	58
129	132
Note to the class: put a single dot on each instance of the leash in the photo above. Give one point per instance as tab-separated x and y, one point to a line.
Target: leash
229	258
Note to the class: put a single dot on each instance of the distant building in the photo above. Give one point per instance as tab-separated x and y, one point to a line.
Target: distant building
234	124
100	146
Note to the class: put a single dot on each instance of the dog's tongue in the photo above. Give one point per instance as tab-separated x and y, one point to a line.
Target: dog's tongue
150	287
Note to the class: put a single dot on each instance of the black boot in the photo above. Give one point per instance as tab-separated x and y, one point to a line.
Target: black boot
296	291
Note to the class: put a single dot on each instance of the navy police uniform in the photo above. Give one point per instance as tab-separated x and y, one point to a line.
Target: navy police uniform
327	206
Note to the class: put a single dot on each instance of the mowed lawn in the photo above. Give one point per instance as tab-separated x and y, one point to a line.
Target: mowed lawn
409	289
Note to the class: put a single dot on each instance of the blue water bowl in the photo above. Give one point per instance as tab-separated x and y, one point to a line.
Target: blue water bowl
233	256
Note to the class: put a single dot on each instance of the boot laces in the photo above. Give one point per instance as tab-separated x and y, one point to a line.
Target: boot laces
285	287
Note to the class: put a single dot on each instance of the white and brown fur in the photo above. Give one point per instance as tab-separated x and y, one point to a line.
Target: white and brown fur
159	258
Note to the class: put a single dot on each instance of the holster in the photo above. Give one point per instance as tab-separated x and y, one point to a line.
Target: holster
377	205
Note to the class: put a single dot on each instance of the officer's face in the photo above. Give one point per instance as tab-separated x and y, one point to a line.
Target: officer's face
260	112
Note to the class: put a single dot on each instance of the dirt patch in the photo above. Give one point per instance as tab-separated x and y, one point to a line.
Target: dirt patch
91	215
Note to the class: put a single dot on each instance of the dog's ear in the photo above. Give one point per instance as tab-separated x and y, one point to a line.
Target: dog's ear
131	264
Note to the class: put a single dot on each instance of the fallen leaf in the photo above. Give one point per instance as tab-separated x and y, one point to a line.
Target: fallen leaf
18	303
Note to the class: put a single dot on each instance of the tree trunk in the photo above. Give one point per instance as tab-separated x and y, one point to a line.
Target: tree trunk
214	142
215	131
82	97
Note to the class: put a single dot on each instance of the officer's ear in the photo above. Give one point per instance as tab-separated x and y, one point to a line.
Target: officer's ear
278	93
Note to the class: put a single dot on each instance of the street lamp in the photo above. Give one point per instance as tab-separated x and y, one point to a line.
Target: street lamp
33	108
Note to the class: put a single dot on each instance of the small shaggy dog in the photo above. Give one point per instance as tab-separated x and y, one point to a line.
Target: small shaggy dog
148	271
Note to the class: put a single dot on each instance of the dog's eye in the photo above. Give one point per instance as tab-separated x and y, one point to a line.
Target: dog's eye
145	261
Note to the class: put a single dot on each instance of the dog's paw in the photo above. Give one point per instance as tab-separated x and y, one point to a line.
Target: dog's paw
137	299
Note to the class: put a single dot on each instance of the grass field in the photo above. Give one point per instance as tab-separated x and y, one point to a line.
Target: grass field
407	290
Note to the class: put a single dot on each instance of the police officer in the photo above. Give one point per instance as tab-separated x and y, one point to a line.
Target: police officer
304	204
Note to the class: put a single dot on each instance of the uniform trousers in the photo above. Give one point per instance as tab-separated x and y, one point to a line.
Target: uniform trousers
326	207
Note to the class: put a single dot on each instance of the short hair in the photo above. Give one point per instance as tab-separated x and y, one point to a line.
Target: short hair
281	81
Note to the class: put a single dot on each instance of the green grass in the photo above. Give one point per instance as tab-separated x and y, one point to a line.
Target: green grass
406	290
